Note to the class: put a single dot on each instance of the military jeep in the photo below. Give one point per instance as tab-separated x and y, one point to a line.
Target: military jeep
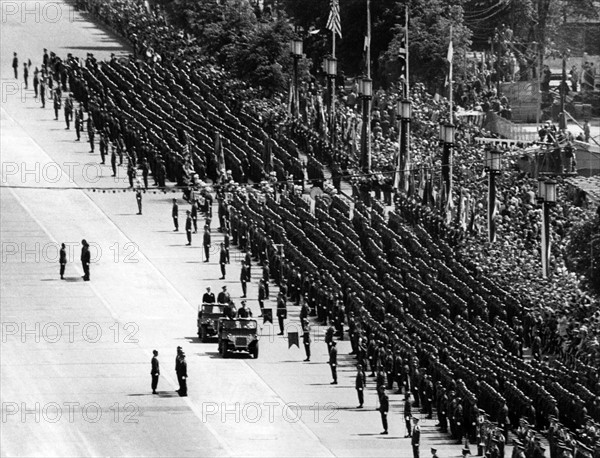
239	335
208	320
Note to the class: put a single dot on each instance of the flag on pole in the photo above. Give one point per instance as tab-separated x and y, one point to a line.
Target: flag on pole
333	23
367	42
450	51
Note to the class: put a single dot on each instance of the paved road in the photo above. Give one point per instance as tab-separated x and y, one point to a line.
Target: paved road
75	356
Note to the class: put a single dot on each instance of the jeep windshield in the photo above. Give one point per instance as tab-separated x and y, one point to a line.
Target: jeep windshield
231	325
212	309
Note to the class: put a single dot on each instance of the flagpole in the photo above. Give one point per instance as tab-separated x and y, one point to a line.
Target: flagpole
368	101
406	45
406	129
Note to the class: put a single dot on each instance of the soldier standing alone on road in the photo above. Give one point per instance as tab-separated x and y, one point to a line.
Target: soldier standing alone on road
15	65
281	311
244	279
138	195
306	338
416	438
360	384
384	407
63	260
175	215
206	242
155	371
182	375
85	260
223	260
333	363
188	227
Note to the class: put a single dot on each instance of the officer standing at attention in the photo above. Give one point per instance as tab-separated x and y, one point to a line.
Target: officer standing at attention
85	260
360	385
155	371
188	227
223	260
178	367
416	438
384	407
306	338
206	243
63	260
333	363
244	278
174	214
281	311
15	65
182	375
138	195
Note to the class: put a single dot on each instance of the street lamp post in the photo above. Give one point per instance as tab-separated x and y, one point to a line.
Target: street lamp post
493	166
366	89
403	113
447	137
547	197
296	48
330	65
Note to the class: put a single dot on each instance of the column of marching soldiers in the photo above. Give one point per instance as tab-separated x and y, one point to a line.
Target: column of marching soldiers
417	317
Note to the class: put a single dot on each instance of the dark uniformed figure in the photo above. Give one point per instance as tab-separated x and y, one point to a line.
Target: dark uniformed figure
384	408
281	311
416	438
195	215
206	242
63	260
407	415
85	260
329	338
262	294
113	160
90	131
145	172
244	311
181	370
244	278
333	362
26	75
138	196
36	83
57	105
360	383
306	338
79	128
15	65
43	91
175	215
223	260
68	111
208	297
188	227
155	371
131	173
224	297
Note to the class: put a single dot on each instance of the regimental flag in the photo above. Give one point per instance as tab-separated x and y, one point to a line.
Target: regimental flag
219	152
367	42
403	50
293	339
450	52
333	23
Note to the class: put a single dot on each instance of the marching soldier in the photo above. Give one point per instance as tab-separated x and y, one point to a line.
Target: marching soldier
384	407
174	212
333	363
244	278
281	311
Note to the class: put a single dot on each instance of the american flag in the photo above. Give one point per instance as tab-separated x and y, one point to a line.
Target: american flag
333	23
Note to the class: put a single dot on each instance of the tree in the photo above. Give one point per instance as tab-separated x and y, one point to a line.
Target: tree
429	37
